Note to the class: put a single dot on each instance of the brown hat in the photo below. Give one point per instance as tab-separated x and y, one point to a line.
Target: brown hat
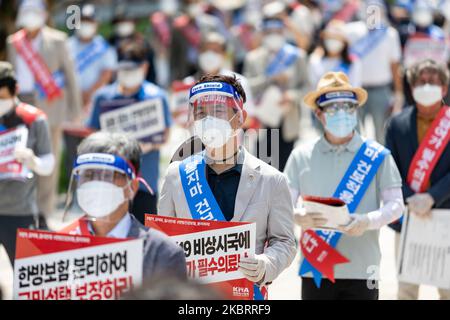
6	70
334	82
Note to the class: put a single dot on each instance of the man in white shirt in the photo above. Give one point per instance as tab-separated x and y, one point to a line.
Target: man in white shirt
377	45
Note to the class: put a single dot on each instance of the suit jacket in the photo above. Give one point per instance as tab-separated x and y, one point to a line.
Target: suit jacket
162	256
263	197
255	65
402	140
56	56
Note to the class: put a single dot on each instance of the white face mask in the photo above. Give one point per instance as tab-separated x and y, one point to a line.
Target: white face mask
210	61
427	95
334	45
31	20
422	18
131	78
99	198
213	132
5	106
124	29
87	30
273	41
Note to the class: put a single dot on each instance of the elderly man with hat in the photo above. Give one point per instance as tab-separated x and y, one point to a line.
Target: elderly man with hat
360	172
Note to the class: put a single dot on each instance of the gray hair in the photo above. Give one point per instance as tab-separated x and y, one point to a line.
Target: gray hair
119	144
413	73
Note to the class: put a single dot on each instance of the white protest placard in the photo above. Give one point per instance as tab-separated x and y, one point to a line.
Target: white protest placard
10	139
424	253
419	48
141	120
55	266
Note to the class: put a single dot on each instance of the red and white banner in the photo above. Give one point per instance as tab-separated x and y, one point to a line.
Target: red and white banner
10	139
429	152
57	266
213	250
37	65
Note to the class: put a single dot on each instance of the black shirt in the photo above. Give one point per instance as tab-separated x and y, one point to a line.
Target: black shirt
224	186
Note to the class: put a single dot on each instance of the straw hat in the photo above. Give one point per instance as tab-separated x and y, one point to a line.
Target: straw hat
334	82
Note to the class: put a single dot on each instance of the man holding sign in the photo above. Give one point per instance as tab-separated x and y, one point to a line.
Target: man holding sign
25	153
359	172
139	108
226	183
418	138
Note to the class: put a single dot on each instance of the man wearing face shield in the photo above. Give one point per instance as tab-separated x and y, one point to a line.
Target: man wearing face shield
278	76
104	182
407	135
47	79
232	185
96	62
342	164
130	89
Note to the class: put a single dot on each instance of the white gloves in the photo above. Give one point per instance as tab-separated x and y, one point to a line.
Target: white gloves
254	268
26	157
420	204
309	220
359	224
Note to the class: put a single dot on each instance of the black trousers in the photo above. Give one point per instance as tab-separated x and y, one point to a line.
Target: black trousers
8	230
342	289
143	203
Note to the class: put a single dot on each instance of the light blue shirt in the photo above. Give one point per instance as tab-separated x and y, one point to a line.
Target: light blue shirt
121	230
91	74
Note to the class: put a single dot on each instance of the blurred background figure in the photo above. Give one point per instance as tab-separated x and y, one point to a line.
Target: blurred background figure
377	45
50	85
278	76
131	88
95	64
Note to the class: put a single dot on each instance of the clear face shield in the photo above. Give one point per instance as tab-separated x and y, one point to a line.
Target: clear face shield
216	113
99	186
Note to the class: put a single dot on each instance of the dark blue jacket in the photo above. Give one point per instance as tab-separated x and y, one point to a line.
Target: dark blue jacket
401	139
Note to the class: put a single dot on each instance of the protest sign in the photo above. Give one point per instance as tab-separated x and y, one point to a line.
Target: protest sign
424	253
56	266
213	250
10	139
142	120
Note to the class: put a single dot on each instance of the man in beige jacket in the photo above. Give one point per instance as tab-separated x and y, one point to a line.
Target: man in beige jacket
242	187
50	47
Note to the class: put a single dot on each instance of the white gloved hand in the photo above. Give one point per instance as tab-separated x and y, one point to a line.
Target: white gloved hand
26	156
357	226
308	220
420	204
399	101
254	268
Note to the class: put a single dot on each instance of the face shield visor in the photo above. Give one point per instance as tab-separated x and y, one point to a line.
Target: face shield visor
99	185
213	107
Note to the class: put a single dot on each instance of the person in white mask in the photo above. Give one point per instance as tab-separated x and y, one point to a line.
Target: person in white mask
46	74
277	72
411	131
212	60
360	172
103	184
129	92
125	31
244	187
96	62
22	162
